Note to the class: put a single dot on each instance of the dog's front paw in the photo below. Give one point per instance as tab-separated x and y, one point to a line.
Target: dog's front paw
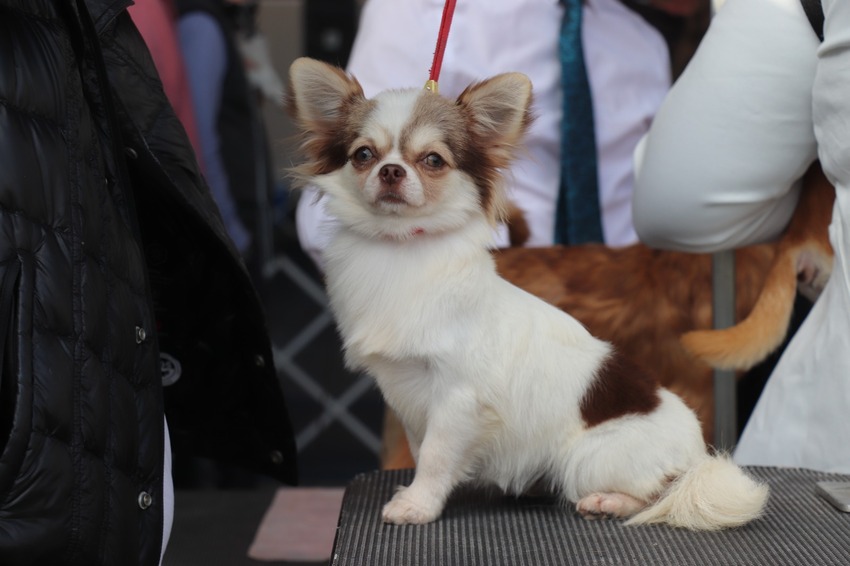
405	508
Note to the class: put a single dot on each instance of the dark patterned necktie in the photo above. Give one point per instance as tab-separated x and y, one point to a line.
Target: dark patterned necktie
577	218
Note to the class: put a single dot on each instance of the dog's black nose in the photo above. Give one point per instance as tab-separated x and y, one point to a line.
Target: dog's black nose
391	174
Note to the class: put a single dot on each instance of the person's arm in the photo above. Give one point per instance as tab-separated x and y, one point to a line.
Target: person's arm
313	225
204	49
719	166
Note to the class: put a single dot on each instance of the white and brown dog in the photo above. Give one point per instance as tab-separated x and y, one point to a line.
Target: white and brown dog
492	384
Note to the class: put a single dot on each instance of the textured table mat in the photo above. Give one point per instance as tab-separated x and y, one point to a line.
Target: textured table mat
481	529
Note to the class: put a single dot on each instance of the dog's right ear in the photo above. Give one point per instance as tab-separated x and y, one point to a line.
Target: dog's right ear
321	100
500	108
319	93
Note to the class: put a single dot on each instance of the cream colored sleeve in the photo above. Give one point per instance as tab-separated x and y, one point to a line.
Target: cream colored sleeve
720	164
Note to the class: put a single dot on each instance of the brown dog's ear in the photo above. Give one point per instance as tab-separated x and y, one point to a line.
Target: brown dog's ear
318	94
501	110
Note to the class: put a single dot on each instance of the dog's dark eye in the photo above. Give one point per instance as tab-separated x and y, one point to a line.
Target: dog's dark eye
363	154
434	160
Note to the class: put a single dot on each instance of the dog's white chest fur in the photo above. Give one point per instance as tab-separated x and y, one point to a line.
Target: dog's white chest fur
437	328
400	305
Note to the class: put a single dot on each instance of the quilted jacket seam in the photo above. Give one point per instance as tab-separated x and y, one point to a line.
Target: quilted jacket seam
38	116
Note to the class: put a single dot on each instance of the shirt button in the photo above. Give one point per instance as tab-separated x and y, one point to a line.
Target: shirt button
145	500
140	335
131	153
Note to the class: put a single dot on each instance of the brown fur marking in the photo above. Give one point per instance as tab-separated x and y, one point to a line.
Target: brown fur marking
621	388
455	124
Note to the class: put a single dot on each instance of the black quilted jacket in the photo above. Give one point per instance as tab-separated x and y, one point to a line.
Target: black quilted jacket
111	251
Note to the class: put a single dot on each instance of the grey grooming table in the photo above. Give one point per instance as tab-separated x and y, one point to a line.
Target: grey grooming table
481	529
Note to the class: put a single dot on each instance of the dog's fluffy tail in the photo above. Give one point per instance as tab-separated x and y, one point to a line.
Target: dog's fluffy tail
750	341
713	495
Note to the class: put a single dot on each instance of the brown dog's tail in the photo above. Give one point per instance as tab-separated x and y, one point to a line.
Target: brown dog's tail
518	230
803	260
747	343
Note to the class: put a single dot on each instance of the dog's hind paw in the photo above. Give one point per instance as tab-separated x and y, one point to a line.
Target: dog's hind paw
600	505
403	510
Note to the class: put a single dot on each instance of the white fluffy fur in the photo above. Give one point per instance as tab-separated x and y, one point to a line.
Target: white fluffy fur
487	378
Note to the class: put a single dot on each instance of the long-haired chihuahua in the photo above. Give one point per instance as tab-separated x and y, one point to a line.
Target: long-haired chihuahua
492	384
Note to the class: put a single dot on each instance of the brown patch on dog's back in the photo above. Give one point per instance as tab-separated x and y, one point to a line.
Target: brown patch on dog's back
621	388
640	300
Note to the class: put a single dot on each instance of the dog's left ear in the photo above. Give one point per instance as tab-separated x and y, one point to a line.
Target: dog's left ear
501	111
